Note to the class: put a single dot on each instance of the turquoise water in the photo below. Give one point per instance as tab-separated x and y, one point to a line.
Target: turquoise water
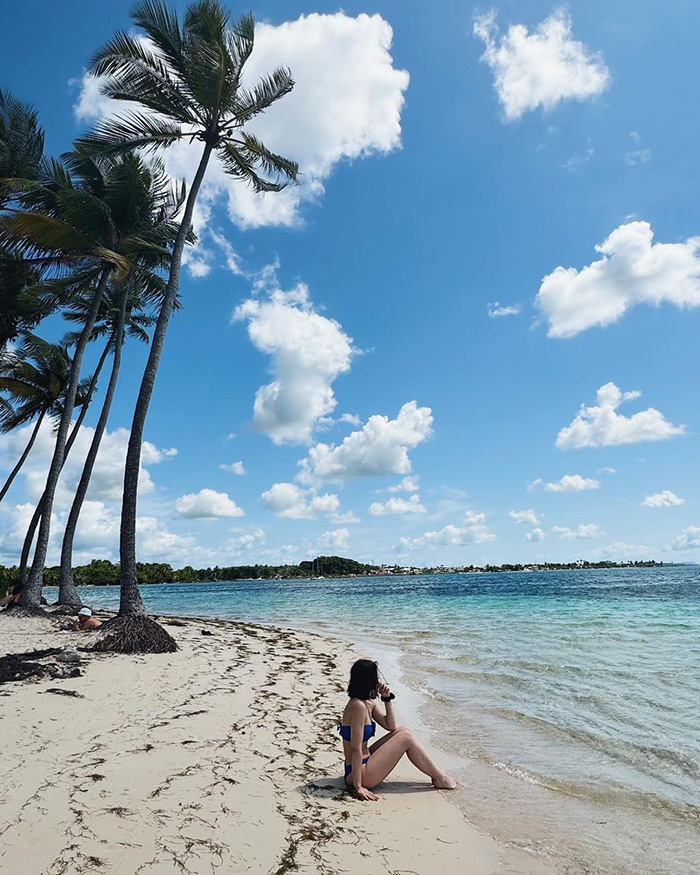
581	687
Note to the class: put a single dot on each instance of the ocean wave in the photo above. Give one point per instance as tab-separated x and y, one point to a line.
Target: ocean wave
650	759
608	794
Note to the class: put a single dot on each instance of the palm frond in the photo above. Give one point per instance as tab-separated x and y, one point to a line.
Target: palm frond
269	89
161	25
132	130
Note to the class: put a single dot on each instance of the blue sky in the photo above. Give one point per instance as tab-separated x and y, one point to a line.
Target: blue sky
495	159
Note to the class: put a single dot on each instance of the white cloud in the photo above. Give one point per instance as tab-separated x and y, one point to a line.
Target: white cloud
632	270
234	468
623	550
582	532
542	68
292	502
606	471
636	157
601	426
689	539
665	498
107	480
231	257
308	352
155	541
397	506
572	483
338	539
207	504
246	542
346	104
524	516
535	535
379	448
496	310
576	163
98	528
473	530
407	484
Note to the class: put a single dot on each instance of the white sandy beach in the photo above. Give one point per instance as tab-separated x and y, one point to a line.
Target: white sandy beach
223	757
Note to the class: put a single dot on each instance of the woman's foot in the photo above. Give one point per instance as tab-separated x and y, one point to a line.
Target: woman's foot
444	782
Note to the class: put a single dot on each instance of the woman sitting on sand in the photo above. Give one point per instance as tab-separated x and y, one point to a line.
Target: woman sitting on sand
365	767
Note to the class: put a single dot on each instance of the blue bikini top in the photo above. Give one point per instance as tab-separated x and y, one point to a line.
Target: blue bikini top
370	729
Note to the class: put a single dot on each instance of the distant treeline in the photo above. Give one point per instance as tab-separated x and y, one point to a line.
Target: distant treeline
102	572
552	566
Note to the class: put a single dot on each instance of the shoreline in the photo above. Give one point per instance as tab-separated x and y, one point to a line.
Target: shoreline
523	810
203	761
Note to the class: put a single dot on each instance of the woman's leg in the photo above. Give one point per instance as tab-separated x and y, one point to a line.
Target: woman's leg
386	753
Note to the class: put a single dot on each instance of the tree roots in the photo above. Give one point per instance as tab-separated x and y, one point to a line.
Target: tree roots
134	635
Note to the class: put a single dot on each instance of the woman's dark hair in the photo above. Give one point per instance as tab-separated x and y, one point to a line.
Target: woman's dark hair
364	680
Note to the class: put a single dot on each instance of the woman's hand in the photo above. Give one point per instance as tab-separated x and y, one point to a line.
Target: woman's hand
384	690
366	795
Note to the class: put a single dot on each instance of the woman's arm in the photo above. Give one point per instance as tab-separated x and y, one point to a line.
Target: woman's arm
389	721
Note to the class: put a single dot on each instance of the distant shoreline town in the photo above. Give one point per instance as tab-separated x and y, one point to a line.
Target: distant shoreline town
102	572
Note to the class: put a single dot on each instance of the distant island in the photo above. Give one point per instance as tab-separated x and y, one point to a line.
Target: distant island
102	572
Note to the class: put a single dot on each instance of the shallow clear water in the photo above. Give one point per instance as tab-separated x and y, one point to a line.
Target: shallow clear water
577	685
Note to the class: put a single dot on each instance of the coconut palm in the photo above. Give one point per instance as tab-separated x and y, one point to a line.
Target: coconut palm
21	143
185	84
24	299
121	314
35	378
86	390
96	213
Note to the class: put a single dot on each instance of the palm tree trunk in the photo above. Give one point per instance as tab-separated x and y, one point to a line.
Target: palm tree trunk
131	604
30	596
23	458
38	510
68	593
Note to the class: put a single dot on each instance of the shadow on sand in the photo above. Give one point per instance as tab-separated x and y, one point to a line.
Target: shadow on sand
331	787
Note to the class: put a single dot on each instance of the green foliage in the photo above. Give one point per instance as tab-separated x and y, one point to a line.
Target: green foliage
102	572
21	143
188	75
8	577
34	378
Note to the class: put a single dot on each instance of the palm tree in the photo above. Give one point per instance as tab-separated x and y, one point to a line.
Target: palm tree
83	397
121	313
186	84
35	378
102	221
24	299
21	144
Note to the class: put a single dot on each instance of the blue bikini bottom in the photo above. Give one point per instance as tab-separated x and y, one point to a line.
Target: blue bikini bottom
348	766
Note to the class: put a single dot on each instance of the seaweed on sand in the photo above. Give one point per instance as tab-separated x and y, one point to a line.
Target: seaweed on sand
20	666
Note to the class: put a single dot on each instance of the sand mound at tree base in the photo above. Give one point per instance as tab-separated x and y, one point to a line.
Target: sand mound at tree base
134	635
21	612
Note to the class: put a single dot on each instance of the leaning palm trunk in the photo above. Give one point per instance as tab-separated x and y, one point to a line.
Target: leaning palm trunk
68	593
30	596
38	510
131	604
23	458
190	77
